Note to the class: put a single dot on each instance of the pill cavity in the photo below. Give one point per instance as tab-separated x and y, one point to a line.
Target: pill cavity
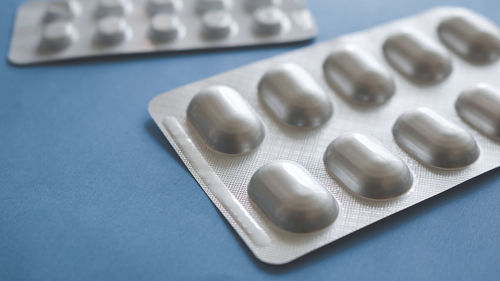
164	28
107	8
417	57
292	95
358	76
433	140
155	7
204	6
366	168
225	121
268	21
474	41
291	198
57	36
112	31
480	108
62	10
217	24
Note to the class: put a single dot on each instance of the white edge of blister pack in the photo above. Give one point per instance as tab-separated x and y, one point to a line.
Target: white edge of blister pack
272	245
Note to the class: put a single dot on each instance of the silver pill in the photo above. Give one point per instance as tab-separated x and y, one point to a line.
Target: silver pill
291	94
471	40
62	10
57	36
225	121
480	108
366	168
417	57
203	6
433	140
106	8
268	21
291	198
217	24
164	28
155	7
358	76
111	30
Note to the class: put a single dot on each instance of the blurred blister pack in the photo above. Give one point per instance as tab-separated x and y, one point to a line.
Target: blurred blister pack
69	29
299	150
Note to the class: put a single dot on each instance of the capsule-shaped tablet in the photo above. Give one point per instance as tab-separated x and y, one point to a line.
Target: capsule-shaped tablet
480	108
155	7
225	121
62	10
268	21
472	40
433	140
291	198
291	94
111	31
164	28
358	76
366	168
57	36
417	57
107	8
217	25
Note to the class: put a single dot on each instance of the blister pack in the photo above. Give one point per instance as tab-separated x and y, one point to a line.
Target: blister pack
304	148
68	29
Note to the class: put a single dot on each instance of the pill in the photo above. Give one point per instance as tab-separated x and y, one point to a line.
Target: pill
358	76
268	21
366	168
204	6
107	8
417	57
217	24
164	27
154	7
257	4
480	108
294	97
225	121
112	30
472	40
62	10
57	36
291	198
433	140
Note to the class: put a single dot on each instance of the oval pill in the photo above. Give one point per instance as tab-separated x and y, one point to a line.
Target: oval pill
366	168
155	7
268	21
107	8
164	28
225	121
358	76
417	57
58	35
291	198
291	94
62	10
480	108
217	24
471	40
112	30
433	140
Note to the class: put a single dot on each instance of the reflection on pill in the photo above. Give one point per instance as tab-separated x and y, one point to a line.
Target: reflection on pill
291	198
417	57
217	24
293	96
164	28
225	121
480	108
433	140
268	21
358	76
112	31
57	36
366	168
474	41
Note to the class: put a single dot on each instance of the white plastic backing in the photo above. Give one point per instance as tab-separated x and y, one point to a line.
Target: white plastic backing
246	27
225	178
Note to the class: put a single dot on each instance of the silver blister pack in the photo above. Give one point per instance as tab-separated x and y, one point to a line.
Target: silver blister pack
69	29
304	148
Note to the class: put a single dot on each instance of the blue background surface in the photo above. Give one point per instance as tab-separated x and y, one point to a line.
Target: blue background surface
90	189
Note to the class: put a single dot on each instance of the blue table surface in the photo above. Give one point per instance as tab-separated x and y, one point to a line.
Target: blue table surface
91	190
